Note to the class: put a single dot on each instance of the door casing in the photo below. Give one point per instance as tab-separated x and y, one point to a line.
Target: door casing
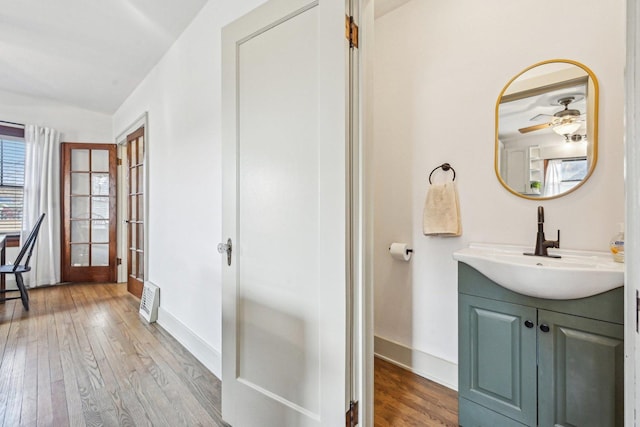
632	213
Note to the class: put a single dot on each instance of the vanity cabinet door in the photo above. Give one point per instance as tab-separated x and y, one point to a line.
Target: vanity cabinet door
580	372
497	352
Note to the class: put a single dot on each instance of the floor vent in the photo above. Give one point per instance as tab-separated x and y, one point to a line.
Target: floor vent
149	302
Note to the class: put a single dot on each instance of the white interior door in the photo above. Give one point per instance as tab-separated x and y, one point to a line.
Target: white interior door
285	179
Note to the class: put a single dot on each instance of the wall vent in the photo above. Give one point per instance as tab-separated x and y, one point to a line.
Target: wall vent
149	302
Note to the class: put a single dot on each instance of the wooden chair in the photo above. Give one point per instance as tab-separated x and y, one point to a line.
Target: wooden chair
17	268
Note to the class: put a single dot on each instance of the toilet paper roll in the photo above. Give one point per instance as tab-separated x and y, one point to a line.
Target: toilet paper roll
400	251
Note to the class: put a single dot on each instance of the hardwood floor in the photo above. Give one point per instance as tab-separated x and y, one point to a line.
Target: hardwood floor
403	398
82	356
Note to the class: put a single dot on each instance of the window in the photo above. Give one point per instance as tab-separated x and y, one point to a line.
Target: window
573	170
12	152
564	174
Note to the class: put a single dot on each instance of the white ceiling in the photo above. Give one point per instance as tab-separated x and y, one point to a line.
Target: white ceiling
539	109
92	53
556	80
87	53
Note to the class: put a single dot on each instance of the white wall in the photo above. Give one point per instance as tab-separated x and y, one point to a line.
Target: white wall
75	124
182	98
439	69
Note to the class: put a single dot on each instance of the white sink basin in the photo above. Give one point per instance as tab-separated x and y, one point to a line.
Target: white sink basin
577	274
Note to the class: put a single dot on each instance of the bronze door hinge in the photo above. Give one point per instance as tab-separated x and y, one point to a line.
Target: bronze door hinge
351	31
352	414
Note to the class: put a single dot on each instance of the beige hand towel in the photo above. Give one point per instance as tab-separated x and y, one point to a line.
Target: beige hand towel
441	215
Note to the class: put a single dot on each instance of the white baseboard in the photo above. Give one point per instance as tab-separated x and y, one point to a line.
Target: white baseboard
202	351
426	365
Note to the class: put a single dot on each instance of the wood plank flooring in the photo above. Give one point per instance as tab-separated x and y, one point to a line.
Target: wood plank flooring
82	357
404	399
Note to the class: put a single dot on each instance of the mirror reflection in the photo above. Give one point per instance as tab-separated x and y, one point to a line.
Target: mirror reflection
546	129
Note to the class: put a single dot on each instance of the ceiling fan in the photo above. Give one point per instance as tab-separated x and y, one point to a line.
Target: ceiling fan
563	122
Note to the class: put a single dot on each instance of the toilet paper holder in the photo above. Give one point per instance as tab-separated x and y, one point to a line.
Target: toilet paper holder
400	251
408	251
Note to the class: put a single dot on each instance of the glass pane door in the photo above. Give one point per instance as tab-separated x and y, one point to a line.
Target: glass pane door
135	177
89	226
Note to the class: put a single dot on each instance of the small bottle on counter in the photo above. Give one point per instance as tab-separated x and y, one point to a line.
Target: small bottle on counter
617	245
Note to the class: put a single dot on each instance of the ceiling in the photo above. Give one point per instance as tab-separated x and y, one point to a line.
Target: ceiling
539	109
90	53
532	104
87	53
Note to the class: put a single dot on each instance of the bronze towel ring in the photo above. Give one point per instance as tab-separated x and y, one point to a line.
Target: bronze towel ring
445	167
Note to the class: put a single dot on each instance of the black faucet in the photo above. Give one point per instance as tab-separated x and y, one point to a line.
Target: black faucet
541	243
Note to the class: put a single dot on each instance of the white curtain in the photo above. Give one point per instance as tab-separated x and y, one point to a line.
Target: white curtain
42	195
553	178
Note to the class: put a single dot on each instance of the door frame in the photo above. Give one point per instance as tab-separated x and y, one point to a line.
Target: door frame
363	287
123	205
632	199
362	221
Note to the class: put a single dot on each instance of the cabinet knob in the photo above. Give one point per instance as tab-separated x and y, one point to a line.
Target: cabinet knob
528	324
544	328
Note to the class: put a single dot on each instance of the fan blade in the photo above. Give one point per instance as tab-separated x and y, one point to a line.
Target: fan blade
535	127
541	116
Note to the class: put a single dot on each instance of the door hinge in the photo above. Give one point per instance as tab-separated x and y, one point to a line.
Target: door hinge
352	414
118	261
351	31
119	162
637	308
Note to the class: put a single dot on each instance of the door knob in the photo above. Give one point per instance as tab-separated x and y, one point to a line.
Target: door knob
544	328
528	324
226	247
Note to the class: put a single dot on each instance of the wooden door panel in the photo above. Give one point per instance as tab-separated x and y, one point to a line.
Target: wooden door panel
581	371
498	356
89	175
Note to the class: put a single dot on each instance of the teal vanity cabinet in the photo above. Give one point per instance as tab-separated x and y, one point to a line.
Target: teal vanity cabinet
497	363
526	361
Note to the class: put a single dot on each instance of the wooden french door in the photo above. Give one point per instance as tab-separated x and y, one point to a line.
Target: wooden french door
89	212
135	212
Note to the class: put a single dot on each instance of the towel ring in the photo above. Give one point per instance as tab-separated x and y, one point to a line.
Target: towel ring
445	167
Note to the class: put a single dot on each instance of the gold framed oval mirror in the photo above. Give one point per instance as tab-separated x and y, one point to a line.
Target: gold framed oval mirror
547	129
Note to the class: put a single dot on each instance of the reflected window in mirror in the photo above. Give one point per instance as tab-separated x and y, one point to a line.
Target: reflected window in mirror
562	175
546	129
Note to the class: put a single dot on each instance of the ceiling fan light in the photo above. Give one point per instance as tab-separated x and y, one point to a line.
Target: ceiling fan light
566	128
